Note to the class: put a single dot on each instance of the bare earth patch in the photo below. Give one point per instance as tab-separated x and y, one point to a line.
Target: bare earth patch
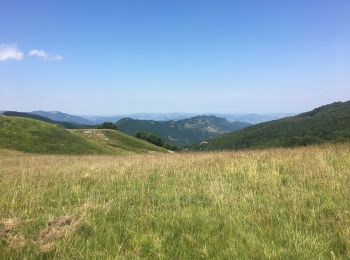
57	227
7	235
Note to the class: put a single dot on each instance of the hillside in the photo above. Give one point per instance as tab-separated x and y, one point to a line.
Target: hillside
117	141
329	123
29	135
181	132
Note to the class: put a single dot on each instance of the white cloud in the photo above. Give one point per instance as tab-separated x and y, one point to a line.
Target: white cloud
10	52
44	55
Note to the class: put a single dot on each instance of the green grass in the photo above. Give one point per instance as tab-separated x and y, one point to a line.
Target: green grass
29	135
117	140
278	203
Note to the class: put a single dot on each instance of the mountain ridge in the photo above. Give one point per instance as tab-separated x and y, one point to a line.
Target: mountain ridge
68	125
62	117
181	132
247	117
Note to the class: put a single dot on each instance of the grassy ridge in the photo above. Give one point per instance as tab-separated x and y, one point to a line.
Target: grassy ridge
278	203
28	135
35	136
117	140
329	123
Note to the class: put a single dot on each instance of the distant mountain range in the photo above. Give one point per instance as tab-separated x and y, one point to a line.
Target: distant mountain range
329	123
249	118
47	120
94	120
253	118
182	132
140	116
62	117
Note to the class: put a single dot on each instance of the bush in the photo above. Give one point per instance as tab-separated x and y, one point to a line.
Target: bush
108	125
149	137
171	147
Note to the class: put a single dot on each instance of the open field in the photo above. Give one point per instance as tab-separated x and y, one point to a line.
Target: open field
278	203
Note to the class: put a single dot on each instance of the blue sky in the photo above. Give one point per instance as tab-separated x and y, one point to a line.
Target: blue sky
114	57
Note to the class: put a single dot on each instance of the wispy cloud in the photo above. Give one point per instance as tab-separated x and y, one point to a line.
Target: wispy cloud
44	55
10	52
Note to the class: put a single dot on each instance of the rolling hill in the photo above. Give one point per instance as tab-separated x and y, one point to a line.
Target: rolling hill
29	135
329	123
181	132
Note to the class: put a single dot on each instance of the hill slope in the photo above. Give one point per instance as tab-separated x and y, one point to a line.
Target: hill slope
29	135
328	123
182	132
116	140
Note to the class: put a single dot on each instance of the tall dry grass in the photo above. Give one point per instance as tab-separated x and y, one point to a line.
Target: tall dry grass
278	203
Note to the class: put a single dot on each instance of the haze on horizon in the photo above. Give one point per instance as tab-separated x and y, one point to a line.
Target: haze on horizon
122	57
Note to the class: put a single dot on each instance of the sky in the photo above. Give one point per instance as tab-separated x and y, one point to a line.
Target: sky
197	56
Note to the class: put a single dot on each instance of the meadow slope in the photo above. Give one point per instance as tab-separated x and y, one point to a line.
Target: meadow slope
278	203
34	136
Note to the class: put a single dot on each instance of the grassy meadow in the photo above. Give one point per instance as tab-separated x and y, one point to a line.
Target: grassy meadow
275	203
34	136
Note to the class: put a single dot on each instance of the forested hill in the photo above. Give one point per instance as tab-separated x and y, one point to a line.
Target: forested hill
329	123
182	132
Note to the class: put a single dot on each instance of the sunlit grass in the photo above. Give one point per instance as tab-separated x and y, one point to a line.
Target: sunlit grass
278	203
33	136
